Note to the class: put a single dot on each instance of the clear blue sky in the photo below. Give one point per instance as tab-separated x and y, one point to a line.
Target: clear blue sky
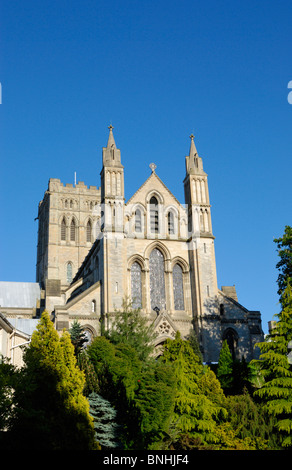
158	71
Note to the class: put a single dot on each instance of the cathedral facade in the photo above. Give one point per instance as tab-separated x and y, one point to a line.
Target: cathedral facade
95	251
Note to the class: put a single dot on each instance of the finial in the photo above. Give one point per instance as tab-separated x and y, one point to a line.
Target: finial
192	136
153	167
110	127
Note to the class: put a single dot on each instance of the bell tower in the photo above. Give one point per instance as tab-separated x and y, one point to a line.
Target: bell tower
201	243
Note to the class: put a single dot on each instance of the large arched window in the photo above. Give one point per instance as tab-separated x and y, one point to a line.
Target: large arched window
157	283
136	285
73	231
154	220
63	229
88	231
178	287
69	273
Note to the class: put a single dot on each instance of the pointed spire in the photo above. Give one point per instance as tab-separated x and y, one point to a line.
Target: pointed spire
193	150
194	164
111	141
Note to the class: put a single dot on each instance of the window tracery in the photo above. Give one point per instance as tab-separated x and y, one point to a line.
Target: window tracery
157	282
136	285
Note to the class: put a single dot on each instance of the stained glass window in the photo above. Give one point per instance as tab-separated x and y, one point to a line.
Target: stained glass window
157	283
136	285
178	289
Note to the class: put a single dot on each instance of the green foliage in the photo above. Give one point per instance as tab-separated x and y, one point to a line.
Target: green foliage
252	424
91	380
284	245
195	413
7	378
78	337
131	327
50	411
106	428
142	392
153	404
225	367
276	392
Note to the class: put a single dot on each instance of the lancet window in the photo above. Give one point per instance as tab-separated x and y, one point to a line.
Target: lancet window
136	285
73	231
88	231
178	287
63	229
157	282
138	221
154	219
69	272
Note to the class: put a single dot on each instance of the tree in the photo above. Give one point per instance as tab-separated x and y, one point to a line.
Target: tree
276	392
78	337
8	375
131	327
105	425
50	411
284	245
225	367
141	392
195	413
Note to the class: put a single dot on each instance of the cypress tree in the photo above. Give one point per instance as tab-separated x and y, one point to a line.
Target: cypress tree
225	367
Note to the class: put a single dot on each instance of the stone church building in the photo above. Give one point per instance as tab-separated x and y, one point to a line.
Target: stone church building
95	250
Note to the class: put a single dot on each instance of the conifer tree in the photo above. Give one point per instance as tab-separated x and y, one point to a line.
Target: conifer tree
225	367
78	337
284	265
130	327
105	425
50	411
195	413
276	391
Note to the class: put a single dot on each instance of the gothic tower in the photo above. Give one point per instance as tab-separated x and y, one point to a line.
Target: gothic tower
201	246
112	228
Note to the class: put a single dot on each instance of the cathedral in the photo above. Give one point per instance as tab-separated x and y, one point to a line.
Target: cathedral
95	251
